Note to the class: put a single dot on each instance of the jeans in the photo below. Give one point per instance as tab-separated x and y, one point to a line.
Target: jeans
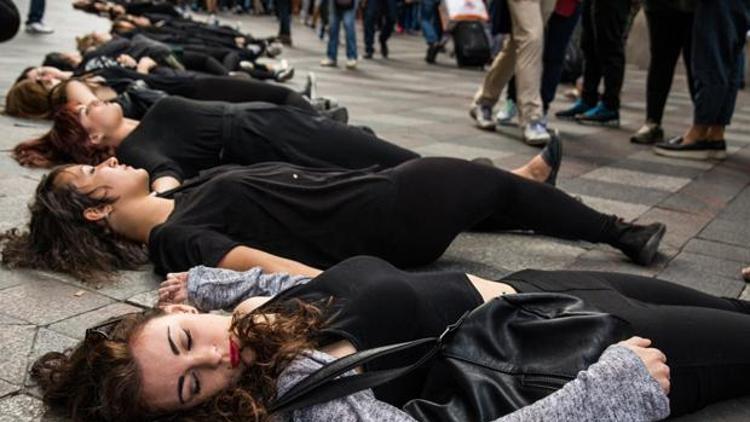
373	12
670	33
284	12
349	17
603	45
429	21
36	11
719	33
559	30
703	336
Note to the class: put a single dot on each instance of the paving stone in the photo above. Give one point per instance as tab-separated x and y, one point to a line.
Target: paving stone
8	388
718	250
734	232
444	149
651	157
606	190
121	287
146	299
609	259
685	271
39	301
10	278
21	408
625	210
50	341
515	251
681	227
16	342
76	326
637	178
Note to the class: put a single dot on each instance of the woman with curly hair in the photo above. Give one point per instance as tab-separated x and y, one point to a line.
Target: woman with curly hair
179	363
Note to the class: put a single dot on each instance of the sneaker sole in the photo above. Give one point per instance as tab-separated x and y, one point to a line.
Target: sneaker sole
613	124
692	155
486	126
648	253
536	142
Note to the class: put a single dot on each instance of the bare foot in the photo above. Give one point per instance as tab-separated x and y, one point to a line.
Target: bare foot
746	273
695	133
536	169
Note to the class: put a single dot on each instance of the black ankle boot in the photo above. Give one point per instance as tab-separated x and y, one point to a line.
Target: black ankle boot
637	242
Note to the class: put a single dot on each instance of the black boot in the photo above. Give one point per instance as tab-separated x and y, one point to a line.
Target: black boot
432	51
637	242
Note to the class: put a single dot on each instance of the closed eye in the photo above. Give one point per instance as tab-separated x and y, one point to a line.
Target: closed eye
189	338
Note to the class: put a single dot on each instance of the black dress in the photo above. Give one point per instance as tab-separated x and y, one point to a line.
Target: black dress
180	137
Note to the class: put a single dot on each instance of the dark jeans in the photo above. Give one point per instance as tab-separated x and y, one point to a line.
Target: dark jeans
670	34
36	11
438	198
373	12
719	33
603	45
284	12
705	338
559	30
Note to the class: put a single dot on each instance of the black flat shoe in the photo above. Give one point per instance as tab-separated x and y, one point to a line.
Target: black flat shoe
649	136
552	155
698	150
637	242
483	161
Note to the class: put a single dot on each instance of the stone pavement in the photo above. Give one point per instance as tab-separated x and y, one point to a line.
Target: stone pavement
705	204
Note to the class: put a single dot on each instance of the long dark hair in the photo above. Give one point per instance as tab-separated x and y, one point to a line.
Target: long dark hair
66	142
60	239
101	382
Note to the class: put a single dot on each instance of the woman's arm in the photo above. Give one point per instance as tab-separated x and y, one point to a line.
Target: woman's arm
242	258
78	92
618	387
218	288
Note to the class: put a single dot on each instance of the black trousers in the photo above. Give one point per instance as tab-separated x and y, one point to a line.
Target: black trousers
236	90
706	339
719	34
438	198
670	33
201	62
603	45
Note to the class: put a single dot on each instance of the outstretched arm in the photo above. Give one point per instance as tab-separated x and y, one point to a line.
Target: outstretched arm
242	258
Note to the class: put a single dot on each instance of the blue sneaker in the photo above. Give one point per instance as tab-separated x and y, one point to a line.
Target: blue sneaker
579	107
600	115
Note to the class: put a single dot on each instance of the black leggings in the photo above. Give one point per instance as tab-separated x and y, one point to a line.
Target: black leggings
706	339
201	62
670	34
438	198
236	90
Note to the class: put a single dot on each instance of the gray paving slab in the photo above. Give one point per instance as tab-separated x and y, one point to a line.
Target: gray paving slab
718	250
75	327
685	270
8	388
16	342
734	232
38	301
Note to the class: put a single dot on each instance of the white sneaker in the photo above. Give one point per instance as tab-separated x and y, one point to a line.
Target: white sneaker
482	115
328	62
39	28
536	134
351	63
506	115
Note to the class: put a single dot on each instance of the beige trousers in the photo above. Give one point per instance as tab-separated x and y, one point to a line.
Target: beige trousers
521	54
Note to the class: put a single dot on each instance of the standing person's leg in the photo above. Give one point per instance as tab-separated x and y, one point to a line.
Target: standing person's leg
719	32
350	21
592	71
283	12
334	22
497	77
34	23
429	31
559	31
372	12
666	41
609	18
389	22
437	198
529	19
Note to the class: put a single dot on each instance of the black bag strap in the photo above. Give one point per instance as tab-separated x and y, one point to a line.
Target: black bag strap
322	386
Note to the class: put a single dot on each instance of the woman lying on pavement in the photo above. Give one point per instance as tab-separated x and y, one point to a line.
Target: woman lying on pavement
91	220
42	90
177	361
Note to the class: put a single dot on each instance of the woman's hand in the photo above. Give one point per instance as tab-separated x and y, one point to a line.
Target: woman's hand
145	65
654	360
173	290
126	61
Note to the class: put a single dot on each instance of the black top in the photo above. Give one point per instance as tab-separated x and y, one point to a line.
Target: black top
375	304
179	137
315	216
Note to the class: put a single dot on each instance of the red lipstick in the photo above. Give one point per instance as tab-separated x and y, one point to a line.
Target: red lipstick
234	354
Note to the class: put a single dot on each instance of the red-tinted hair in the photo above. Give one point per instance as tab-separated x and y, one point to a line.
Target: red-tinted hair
66	142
